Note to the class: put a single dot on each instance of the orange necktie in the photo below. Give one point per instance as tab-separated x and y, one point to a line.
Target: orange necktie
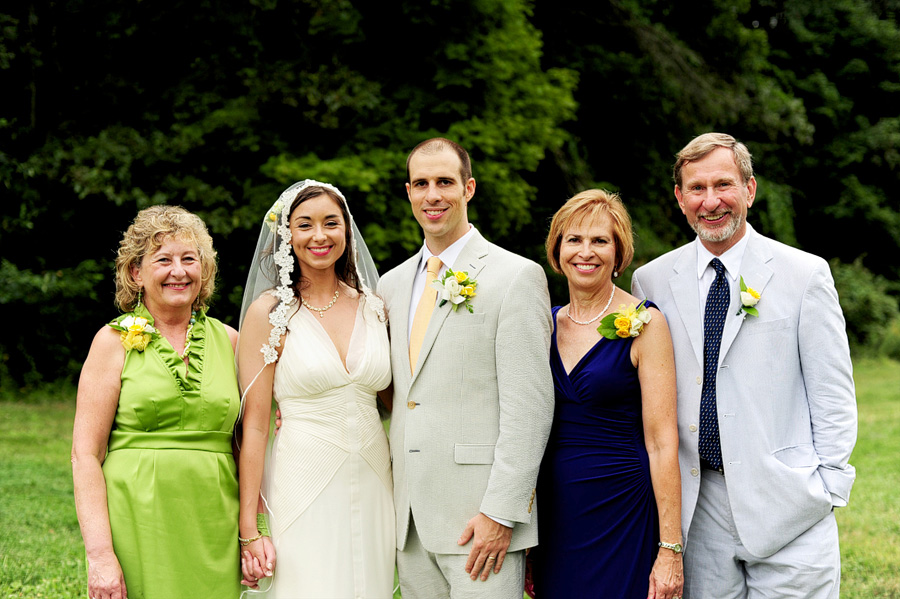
423	312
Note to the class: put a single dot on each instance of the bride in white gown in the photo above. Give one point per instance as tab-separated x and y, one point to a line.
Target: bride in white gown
314	338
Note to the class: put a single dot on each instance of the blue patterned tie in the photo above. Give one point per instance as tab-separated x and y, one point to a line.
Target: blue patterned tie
713	323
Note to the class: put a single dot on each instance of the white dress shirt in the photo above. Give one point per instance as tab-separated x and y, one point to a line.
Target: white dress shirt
731	259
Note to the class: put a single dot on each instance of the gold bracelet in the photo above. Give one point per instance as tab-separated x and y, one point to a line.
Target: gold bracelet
244	542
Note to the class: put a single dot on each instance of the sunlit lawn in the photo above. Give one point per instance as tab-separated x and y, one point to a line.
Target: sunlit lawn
41	554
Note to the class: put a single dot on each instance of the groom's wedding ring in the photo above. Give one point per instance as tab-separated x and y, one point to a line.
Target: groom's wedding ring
490	557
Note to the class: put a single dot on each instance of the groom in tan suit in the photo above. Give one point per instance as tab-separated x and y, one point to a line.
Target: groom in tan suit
473	395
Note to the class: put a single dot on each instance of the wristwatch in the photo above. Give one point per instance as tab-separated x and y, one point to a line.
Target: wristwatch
676	547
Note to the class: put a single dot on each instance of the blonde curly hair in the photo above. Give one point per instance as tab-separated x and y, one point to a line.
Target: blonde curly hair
151	228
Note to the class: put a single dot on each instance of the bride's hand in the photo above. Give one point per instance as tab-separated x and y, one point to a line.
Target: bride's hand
257	561
105	578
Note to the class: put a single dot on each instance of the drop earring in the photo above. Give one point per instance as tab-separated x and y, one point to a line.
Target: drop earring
615	274
140	295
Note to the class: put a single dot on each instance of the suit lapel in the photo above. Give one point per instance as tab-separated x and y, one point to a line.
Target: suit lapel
686	292
756	273
470	259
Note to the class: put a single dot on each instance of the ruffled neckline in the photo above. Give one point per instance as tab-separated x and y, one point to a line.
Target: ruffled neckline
189	374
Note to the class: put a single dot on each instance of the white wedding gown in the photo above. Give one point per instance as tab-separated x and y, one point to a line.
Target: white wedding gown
328	479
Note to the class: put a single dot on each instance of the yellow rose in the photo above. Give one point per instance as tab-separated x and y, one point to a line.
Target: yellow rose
468	291
623	333
461	276
622	322
126	338
140	341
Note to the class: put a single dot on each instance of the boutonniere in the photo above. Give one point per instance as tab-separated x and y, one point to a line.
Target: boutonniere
627	322
749	298
136	332
456	288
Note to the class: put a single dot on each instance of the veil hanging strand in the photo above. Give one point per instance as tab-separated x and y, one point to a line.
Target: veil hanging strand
273	265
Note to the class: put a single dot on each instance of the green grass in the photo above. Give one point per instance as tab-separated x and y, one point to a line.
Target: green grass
41	554
40	543
870	525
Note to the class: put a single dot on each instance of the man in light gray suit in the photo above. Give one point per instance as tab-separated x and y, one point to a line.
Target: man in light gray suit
473	394
766	402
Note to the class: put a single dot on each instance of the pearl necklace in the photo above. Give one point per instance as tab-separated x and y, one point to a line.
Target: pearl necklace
321	311
569	314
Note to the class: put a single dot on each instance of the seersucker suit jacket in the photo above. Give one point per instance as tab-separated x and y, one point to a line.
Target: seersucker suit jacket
470	423
784	389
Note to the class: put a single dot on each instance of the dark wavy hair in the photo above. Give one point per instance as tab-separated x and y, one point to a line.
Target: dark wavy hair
345	267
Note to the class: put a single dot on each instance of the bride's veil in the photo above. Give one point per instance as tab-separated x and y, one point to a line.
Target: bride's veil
270	272
273	263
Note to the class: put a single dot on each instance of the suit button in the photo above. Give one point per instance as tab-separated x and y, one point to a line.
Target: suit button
693	428
694	472
411	405
699	380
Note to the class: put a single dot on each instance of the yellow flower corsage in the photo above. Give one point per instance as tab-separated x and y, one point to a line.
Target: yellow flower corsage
136	332
626	323
456	288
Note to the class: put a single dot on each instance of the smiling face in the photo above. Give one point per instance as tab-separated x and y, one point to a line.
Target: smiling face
439	197
318	233
715	199
587	253
170	276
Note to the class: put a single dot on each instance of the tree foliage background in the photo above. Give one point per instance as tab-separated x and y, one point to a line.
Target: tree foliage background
217	105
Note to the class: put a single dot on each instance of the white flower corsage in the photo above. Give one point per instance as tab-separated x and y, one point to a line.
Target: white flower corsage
136	332
456	288
627	322
749	299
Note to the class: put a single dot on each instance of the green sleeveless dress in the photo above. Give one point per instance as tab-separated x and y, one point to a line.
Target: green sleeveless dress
171	480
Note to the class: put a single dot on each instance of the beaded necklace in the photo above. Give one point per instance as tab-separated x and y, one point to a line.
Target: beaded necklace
187	335
321	311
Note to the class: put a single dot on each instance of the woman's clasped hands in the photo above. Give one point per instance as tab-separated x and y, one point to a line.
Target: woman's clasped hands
257	561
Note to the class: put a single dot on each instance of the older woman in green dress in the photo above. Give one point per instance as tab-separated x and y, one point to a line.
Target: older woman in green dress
156	486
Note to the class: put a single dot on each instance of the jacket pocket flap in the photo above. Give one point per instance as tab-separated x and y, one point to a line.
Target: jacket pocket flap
767	326
473	453
797	456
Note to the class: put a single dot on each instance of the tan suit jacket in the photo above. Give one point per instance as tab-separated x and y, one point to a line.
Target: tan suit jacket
470	423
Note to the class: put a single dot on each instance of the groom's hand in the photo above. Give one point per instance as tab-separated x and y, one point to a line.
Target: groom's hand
489	548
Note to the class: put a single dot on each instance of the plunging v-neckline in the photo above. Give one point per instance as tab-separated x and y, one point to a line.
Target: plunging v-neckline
559	355
341	359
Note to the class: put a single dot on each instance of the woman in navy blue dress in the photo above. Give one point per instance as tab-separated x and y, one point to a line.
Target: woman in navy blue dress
609	487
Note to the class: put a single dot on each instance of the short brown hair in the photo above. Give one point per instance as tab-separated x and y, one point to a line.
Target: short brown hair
702	145
435	145
151	228
585	207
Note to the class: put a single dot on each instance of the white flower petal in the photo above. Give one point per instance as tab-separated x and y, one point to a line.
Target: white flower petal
747	299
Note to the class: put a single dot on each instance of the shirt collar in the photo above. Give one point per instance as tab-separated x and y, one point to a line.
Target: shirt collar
449	255
731	259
